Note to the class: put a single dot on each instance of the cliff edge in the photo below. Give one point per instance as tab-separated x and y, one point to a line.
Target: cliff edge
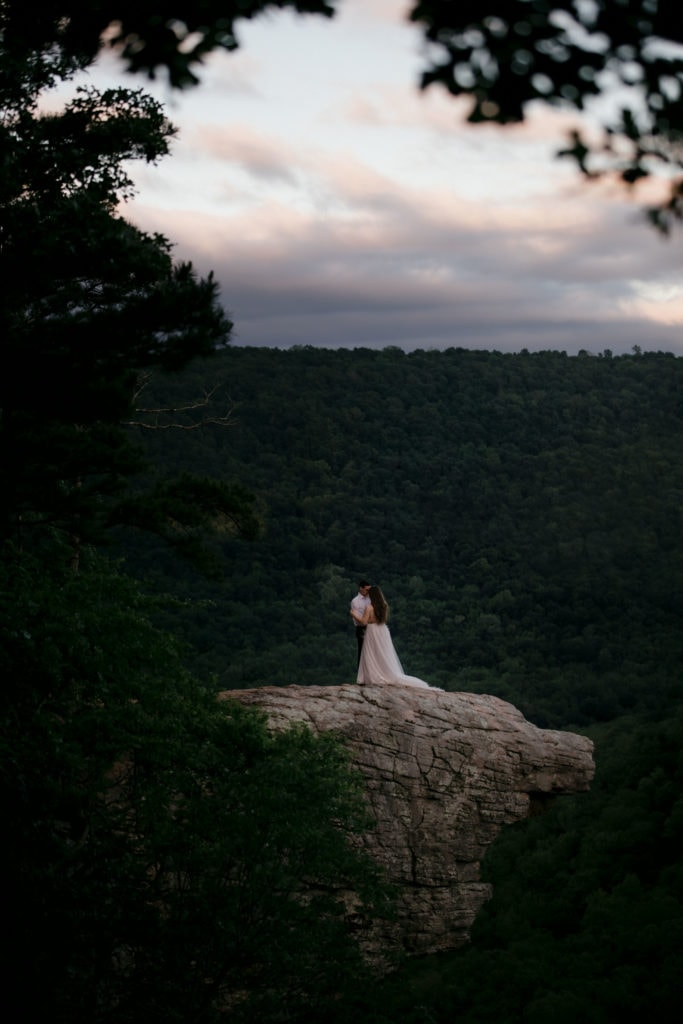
444	772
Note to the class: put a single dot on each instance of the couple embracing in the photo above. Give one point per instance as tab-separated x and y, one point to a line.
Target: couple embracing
378	661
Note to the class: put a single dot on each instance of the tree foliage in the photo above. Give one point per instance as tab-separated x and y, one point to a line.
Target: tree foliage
586	921
505	56
89	302
168	856
176	37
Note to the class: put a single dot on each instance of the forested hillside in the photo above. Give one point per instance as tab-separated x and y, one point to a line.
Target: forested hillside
522	514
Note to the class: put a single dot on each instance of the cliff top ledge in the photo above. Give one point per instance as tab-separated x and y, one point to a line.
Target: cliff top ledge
444	772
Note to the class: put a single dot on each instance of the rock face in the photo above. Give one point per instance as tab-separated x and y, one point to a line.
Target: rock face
444	772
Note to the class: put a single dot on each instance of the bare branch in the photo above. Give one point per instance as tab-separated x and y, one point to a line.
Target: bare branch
158	413
223	421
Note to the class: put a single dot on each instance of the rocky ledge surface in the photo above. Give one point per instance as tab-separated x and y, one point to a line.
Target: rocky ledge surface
444	772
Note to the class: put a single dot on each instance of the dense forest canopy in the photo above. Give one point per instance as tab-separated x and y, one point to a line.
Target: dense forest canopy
521	512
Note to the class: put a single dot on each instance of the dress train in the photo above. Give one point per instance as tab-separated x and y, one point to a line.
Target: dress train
379	662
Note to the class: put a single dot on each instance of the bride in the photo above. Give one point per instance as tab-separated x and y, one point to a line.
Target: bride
379	661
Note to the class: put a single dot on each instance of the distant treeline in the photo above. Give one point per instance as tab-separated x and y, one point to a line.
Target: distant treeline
521	512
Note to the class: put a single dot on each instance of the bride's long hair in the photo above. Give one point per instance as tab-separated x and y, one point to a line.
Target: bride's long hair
379	604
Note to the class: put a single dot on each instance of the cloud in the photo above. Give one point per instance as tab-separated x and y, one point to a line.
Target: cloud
339	206
420	272
240	146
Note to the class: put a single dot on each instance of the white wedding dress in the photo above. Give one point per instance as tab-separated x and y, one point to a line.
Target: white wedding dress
379	662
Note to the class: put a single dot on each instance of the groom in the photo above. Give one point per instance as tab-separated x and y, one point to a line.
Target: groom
358	606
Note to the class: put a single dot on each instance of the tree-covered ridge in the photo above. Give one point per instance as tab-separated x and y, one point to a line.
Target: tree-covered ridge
522	513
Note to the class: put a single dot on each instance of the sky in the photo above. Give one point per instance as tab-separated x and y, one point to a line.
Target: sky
340	206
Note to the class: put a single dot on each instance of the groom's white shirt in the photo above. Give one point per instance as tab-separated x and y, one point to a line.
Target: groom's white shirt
359	604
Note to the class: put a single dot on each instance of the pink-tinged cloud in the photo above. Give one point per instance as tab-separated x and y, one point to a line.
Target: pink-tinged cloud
240	146
413	280
376	217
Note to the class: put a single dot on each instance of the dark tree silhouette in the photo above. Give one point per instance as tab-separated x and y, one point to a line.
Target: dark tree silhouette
88	302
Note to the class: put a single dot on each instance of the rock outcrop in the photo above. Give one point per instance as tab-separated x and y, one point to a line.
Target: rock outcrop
444	772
